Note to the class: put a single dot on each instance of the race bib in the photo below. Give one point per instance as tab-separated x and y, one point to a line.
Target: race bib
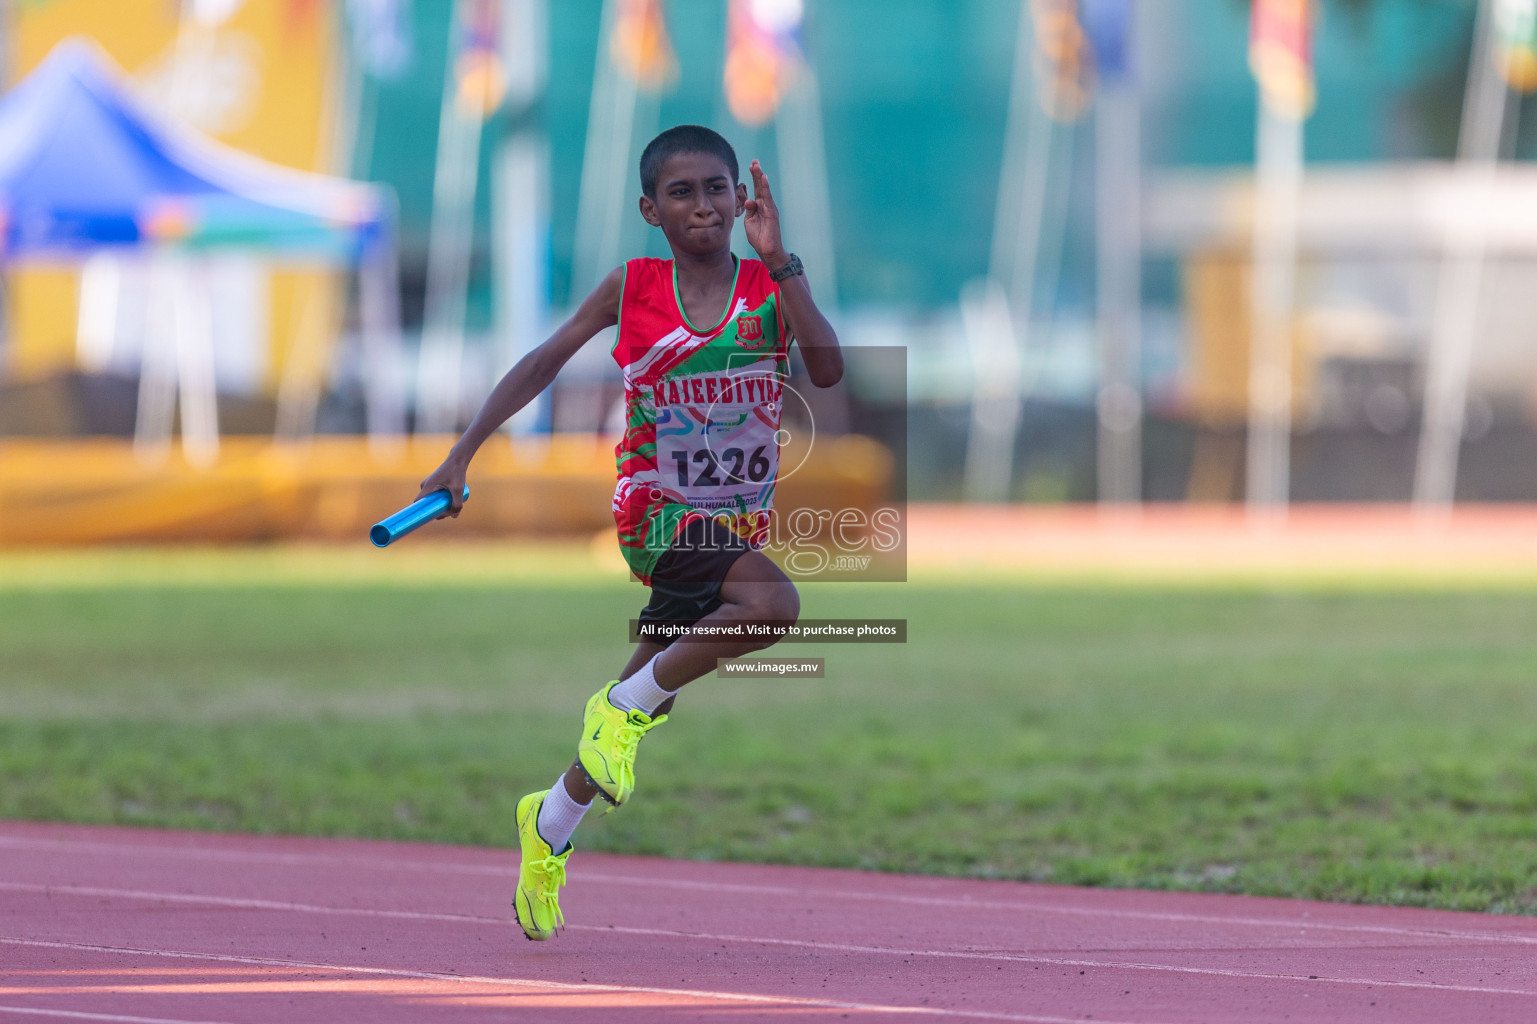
717	438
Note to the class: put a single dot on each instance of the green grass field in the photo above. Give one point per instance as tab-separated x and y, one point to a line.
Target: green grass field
1365	741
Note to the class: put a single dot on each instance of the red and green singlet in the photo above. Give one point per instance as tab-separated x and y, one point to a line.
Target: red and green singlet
702	405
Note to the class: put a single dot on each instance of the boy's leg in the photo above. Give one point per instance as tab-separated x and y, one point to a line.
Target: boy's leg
754	590
578	786
644	652
541	868
750	588
545	824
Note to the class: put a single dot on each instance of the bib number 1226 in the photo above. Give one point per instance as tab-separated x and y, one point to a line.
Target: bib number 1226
757	466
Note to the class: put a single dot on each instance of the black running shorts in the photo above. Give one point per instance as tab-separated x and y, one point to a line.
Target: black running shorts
685	585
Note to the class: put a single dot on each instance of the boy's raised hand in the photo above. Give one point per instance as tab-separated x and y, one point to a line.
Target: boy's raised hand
761	220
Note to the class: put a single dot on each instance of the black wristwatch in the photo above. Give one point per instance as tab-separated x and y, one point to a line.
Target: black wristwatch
790	269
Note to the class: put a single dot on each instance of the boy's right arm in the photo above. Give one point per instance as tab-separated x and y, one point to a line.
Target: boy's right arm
523	383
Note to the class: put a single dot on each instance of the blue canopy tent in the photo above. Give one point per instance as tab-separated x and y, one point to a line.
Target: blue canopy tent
85	168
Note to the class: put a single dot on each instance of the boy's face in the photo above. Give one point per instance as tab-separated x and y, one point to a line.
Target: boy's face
696	203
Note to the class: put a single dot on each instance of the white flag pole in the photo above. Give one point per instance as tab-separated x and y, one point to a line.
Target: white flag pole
808	210
1119	257
520	199
1462	270
1272	297
997	398
449	245
603	198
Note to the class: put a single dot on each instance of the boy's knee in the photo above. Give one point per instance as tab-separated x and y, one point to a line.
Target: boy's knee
783	604
780	606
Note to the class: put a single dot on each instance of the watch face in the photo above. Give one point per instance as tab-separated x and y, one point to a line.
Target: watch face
790	269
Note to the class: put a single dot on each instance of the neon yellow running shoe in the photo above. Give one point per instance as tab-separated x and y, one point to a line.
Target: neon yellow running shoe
609	740
541	873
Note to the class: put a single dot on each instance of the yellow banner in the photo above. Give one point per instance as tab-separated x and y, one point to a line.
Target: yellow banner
251	73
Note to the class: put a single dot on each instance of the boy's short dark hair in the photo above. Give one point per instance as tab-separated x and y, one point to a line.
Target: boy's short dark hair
685	138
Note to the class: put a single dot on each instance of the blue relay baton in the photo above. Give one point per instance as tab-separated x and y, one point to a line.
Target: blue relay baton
419	513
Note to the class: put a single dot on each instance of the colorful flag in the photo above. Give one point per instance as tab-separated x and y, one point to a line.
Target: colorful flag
1281	55
639	45
763	51
1515	43
478	68
381	35
1064	65
1108	26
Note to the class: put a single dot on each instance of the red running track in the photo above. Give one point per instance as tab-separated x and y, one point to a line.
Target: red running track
130	925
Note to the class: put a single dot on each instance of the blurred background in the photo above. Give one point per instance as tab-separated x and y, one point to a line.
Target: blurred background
1192	340
1177	251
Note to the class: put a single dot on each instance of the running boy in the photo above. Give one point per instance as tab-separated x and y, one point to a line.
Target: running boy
703	344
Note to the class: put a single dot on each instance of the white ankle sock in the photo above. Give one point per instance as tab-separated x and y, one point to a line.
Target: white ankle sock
559	815
639	692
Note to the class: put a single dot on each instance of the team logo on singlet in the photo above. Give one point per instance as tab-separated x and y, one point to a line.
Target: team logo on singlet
749	329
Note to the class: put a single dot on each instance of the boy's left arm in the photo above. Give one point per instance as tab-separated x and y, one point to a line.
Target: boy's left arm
818	342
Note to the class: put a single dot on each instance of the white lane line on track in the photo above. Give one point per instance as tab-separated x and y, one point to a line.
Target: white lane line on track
1008	906
1056	961
837	947
256	856
1017	906
247	903
116	1018
563	987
